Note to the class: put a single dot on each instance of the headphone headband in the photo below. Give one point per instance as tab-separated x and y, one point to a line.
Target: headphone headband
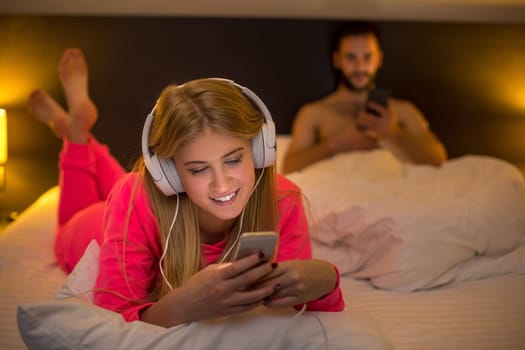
163	170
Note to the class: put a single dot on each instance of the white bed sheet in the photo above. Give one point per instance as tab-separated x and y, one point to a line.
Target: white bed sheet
485	314
28	271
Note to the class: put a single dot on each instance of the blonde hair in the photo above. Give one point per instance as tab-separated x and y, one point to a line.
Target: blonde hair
182	114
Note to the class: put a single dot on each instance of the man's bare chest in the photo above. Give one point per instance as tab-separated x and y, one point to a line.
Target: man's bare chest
333	122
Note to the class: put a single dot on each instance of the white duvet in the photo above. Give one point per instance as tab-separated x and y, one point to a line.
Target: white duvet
411	227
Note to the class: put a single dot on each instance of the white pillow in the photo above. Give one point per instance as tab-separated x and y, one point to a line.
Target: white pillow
81	281
73	322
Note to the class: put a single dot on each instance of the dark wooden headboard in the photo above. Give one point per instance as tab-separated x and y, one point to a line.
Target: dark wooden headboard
467	78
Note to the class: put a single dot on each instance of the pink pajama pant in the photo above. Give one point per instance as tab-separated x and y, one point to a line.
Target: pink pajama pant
87	174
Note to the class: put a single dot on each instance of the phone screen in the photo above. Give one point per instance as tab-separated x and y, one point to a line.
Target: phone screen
378	96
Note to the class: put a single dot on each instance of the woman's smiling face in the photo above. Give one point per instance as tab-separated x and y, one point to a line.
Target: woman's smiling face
218	175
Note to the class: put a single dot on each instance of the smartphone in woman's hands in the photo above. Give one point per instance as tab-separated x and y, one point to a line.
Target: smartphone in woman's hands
255	242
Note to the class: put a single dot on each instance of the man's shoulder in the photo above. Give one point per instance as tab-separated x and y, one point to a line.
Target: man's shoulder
314	105
401	103
405	107
409	114
317	107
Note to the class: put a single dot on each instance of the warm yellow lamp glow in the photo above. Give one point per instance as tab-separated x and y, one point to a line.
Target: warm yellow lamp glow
3	136
3	147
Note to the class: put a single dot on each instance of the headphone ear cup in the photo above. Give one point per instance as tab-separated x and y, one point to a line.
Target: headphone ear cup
162	170
171	176
164	174
264	147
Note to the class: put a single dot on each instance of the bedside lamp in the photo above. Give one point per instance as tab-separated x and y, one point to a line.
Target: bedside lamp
3	146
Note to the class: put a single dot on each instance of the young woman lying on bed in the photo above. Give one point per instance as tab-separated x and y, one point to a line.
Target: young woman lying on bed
166	245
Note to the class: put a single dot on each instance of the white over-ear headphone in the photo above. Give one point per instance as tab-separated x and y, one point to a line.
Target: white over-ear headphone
163	170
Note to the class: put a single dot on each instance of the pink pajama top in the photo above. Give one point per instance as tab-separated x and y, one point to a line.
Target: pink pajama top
128	293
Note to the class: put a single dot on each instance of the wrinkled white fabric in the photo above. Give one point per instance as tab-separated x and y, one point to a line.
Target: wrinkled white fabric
410	227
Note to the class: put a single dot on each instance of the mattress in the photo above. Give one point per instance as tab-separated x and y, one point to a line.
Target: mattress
479	314
483	314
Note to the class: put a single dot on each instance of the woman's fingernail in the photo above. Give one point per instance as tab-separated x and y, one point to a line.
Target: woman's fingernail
274	265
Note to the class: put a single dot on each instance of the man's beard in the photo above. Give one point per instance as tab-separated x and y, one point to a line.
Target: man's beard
347	82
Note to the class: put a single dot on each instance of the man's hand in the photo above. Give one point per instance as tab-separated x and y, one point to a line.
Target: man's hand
384	125
352	138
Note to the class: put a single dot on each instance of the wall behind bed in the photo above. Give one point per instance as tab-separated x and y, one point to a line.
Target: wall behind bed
467	77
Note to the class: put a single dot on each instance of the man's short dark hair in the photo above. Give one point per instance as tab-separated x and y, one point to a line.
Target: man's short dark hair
353	28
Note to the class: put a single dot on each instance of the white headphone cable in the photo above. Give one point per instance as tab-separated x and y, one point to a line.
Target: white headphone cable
241	221
166	243
173	224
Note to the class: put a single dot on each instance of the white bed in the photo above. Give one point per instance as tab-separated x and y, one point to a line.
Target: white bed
469	302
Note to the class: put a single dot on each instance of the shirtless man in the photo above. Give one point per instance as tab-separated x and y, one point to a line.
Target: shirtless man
338	122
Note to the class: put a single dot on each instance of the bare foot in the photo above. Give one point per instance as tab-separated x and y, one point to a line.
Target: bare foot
73	73
83	113
44	108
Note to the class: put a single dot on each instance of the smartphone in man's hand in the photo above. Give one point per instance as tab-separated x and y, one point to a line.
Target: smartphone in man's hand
379	96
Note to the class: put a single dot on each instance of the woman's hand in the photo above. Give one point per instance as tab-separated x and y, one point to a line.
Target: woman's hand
215	291
299	281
